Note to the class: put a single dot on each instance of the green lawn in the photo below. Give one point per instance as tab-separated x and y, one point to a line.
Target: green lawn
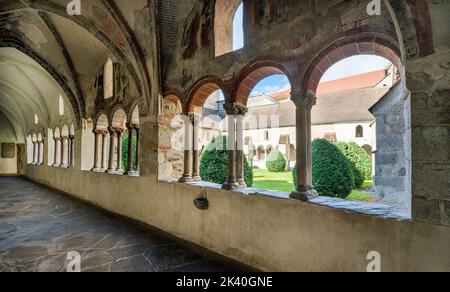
282	181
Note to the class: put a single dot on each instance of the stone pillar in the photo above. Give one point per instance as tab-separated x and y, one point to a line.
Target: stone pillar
55	154
112	140
188	143
103	152
63	152
137	148
119	169
196	148
38	159
71	151
304	190
242	111
231	111
96	133
34	153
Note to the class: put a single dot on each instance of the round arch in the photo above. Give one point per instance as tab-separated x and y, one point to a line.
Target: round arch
201	91
360	44
119	118
101	122
254	73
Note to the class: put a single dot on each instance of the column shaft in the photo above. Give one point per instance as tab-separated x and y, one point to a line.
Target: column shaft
304	189
119	169
240	175
231	183
188	143
196	149
55	154
95	168
112	136
103	153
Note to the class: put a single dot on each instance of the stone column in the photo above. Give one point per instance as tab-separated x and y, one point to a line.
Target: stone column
55	154
63	152
129	170
38	159
196	148
103	151
34	153
96	133
240	175
188	143
231	111
304	190
137	149
119	169
71	151
112	140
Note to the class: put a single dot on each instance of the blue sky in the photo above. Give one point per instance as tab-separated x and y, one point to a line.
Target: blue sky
348	67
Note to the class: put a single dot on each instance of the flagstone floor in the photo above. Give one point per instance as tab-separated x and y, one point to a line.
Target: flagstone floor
40	226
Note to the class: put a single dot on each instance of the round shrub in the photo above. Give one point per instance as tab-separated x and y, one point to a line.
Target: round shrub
332	173
214	163
276	162
360	161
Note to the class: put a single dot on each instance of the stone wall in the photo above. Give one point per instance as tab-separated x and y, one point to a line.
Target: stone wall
170	142
269	233
8	152
393	169
429	82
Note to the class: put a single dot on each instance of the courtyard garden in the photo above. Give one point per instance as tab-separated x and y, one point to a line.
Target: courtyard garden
284	182
340	170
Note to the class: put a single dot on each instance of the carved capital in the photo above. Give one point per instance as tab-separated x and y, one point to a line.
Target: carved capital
241	110
304	100
230	108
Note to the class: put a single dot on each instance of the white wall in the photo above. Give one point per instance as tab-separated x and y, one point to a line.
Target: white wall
7	135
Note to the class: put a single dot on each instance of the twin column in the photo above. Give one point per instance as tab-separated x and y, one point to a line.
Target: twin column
304	190
191	149
235	146
115	140
64	152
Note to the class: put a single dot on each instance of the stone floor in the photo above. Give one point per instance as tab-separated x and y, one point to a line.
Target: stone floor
40	226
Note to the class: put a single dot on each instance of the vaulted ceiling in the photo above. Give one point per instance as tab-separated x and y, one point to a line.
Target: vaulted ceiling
44	52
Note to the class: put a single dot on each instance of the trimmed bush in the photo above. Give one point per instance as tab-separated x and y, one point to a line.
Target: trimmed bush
214	163
332	173
359	159
276	162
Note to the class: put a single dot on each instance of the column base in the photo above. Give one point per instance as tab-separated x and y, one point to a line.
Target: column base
241	184
196	179
110	171
229	186
305	194
131	173
118	172
185	179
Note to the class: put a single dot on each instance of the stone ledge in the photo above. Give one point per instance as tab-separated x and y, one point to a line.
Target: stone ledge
389	212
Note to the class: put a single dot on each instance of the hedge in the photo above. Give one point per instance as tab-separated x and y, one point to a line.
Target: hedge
214	163
359	159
